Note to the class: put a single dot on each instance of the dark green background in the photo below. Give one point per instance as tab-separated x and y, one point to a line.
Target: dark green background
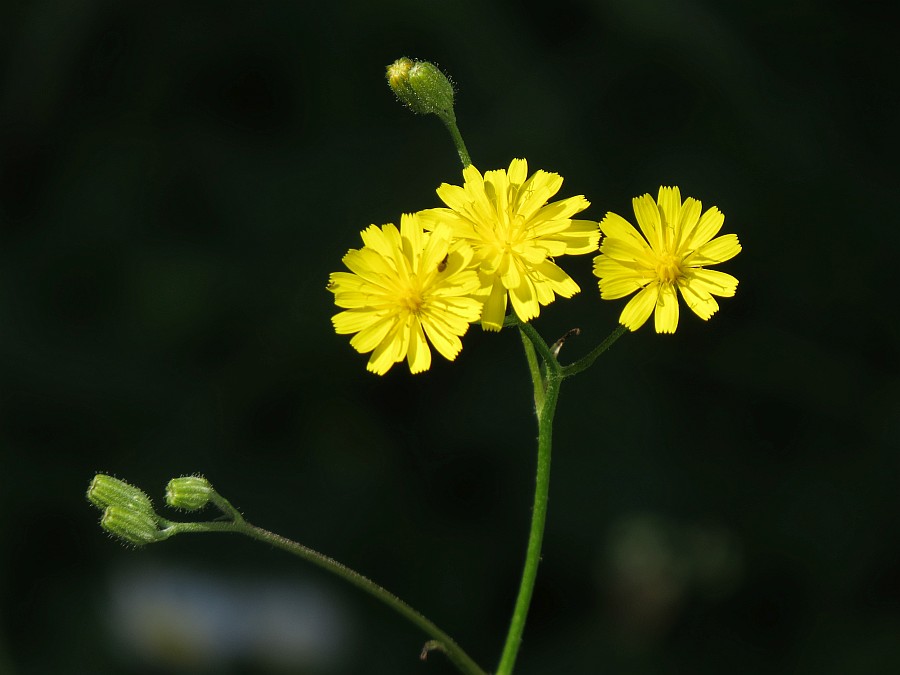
178	179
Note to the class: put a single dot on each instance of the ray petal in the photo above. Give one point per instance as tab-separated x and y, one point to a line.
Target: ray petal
647	214
715	282
639	308
418	356
666	314
698	299
716	251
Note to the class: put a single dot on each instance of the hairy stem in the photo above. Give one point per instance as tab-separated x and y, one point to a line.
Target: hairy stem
545	413
440	640
449	120
534	368
587	361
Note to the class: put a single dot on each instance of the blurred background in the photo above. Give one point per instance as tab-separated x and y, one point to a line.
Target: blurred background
176	183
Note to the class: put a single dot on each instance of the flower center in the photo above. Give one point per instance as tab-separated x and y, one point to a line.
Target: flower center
668	268
412	300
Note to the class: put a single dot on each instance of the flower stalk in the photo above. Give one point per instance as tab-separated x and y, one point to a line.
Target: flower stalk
449	121
587	361
547	385
440	641
143	526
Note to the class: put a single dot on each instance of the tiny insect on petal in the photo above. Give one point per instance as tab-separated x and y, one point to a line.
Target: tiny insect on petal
406	285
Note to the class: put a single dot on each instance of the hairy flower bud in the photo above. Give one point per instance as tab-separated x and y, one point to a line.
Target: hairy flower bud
107	491
137	527
421	86
188	492
432	87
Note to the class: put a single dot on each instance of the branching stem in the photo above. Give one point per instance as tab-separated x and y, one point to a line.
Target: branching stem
546	394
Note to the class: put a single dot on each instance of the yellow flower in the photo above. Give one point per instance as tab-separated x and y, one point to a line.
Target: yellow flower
515	234
681	246
402	286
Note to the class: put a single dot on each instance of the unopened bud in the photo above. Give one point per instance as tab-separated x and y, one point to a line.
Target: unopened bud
421	86
431	87
188	492
107	491
133	526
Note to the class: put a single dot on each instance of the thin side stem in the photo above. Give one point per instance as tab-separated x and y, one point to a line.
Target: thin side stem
225	507
440	639
449	120
587	361
534	368
550	362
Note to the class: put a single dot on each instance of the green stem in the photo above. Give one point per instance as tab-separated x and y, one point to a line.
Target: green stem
548	385
440	640
550	362
587	361
449	120
545	415
534	368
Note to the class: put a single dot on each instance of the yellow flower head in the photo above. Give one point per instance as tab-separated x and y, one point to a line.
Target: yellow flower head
402	286
681	246
515	235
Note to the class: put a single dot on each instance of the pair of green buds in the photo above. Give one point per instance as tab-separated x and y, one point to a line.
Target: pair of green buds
421	86
128	512
425	90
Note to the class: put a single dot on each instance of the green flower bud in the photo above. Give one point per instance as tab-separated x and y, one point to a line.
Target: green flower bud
107	491
188	492
421	86
432	88
131	525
